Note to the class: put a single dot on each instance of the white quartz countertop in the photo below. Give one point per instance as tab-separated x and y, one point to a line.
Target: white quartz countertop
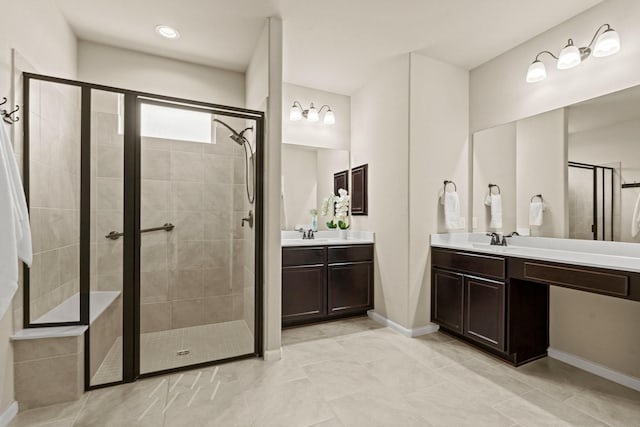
589	253
327	238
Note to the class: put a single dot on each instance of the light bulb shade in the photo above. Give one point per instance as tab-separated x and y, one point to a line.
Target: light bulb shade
607	44
536	72
329	118
312	114
569	57
295	113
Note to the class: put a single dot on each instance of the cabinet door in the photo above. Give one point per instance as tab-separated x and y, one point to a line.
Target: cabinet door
350	288
447	299
484	313
303	293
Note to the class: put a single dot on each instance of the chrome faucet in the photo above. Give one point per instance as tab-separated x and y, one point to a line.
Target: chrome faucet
310	234
304	233
495	239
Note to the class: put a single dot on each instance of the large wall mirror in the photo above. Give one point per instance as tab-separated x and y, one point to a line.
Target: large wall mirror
307	178
573	172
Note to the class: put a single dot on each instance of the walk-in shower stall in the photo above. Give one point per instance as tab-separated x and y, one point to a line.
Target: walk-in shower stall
147	225
591	201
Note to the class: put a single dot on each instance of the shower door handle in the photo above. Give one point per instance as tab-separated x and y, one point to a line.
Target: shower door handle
114	235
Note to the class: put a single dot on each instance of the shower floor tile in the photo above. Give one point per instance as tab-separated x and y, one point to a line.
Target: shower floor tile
159	351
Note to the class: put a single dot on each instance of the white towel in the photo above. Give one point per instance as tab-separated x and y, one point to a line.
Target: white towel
451	210
536	213
635	220
496	211
14	223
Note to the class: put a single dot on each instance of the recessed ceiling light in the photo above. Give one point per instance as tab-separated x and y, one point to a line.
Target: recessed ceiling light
167	31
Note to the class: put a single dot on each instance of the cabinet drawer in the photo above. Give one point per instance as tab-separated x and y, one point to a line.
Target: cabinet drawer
476	264
578	278
303	256
350	253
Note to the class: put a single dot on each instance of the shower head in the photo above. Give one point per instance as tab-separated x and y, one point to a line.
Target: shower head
237	137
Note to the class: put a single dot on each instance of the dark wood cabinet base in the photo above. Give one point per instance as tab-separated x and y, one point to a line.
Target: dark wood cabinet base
323	283
473	298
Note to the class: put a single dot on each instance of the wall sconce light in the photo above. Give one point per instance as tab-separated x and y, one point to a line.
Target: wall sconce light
312	114
606	43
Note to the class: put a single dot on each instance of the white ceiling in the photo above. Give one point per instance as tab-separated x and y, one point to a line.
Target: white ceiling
328	44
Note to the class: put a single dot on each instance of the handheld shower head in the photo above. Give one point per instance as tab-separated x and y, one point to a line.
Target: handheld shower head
237	137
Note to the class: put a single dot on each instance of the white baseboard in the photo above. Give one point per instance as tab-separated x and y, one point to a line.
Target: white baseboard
9	414
415	332
595	368
273	355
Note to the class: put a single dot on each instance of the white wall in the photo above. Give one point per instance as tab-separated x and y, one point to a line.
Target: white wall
299	169
41	36
304	132
499	94
264	92
410	125
329	162
494	161
438	150
380	138
129	69
541	168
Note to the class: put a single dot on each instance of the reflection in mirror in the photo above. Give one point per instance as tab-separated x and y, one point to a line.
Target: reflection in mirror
307	175
583	159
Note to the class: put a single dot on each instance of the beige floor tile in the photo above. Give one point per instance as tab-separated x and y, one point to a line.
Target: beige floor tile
447	404
198	401
310	352
538	409
295	403
371	409
300	334
49	414
556	378
340	377
612	403
136	404
347	327
491	384
333	422
403	375
367	346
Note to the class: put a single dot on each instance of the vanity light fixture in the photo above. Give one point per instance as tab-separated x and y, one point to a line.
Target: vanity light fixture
167	32
312	114
606	42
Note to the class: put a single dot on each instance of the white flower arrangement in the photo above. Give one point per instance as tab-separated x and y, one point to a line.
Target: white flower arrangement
337	208
342	209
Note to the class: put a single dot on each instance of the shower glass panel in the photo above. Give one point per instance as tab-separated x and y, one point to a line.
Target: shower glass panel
196	259
107	215
54	202
590	201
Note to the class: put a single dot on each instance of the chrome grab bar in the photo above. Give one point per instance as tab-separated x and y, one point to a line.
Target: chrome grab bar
114	235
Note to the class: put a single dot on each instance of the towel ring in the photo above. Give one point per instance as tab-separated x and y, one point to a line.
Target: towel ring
538	196
455	188
491	186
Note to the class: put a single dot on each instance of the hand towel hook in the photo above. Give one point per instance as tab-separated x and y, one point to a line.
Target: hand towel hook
8	115
538	196
491	186
455	188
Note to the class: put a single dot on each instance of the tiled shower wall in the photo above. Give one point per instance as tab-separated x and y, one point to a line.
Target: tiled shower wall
192	275
54	195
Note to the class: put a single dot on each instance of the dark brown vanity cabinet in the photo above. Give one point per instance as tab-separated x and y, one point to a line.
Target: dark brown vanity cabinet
470	293
484	313
447	299
320	283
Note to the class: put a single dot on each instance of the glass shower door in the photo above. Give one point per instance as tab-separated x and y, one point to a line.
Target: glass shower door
196	258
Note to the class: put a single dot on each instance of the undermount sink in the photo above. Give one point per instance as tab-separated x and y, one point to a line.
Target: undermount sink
489	247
